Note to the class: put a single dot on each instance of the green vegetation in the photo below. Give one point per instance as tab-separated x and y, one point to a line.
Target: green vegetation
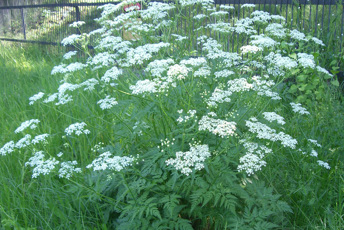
130	113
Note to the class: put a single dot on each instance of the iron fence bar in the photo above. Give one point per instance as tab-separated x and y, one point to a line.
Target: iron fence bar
58	5
316	18
23	22
341	30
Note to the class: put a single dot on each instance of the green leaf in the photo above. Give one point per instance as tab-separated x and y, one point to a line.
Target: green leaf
301	77
293	89
293	56
335	83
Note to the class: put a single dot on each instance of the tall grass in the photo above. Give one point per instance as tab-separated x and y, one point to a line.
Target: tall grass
138	195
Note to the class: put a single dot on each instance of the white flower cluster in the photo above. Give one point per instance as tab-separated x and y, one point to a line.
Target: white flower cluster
35	98
144	86
193	159
263	41
272	116
217	126
200	61
265	132
199	16
69	55
68	168
190	114
25	141
40	165
244	26
63	68
32	124
263	88
306	60
253	161
111	74
7	148
248	5
102	59
177	72
40	138
77	24
107	103
297	35
264	17
77	128
250	49
276	29
314	142
297	108
156	11
142	53
202	72
71	39
324	164
193	2
223	73
317	41
157	67
105	161
322	70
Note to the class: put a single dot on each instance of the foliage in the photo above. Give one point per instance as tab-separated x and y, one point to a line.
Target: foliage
142	133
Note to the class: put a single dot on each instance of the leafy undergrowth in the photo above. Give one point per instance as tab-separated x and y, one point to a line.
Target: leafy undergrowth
143	134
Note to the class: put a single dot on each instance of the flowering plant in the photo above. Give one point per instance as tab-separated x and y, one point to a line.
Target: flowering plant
187	138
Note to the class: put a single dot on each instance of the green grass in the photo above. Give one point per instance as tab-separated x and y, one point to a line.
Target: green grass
315	195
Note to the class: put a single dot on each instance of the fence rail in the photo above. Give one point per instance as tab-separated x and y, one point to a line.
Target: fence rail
48	23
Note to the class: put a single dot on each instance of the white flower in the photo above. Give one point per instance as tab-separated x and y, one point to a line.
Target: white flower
322	70
217	126
193	159
324	164
297	108
250	49
200	61
317	41
32	124
315	142
111	74
223	73
107	102
306	60
77	128
77	24
25	141
145	86
157	67
248	5
263	41
68	168
272	116
40	138
40	165
105	161
314	153
297	35
276	29
35	98
177	72
69	55
71	39
265	132
7	148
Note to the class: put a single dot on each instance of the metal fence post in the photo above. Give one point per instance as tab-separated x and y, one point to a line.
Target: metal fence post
77	12
23	22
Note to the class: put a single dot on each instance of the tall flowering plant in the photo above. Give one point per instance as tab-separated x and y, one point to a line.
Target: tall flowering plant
178	129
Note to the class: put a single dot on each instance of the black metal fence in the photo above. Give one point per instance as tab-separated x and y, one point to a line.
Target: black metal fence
40	21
